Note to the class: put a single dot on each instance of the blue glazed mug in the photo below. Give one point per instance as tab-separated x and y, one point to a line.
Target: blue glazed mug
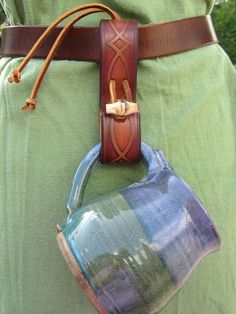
132	250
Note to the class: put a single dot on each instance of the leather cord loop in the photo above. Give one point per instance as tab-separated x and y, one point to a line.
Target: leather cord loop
50	56
16	73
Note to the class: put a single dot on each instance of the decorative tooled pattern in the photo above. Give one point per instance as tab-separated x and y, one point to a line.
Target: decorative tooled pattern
119	44
119	50
121	154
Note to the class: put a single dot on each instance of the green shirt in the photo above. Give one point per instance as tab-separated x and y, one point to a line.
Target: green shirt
187	104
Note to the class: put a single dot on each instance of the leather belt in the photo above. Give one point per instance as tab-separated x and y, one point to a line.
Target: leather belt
83	43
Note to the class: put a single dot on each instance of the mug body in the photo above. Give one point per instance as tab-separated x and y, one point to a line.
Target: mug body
133	249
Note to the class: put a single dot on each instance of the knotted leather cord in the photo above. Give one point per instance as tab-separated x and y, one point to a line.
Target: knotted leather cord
16	73
31	102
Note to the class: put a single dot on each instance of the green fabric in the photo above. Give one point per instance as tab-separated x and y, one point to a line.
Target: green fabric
188	110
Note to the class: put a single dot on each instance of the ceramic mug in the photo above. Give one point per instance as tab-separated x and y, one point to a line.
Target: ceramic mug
133	249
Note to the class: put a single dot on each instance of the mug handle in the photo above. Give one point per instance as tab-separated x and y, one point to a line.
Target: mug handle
153	159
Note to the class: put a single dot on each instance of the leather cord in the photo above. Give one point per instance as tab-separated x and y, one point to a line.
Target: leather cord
16	73
31	101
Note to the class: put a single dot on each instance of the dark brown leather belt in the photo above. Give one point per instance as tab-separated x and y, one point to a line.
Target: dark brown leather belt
83	43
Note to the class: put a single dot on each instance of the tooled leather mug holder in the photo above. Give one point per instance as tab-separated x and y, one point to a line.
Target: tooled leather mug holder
119	113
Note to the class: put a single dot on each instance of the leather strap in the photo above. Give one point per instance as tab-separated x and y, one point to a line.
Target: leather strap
83	43
120	138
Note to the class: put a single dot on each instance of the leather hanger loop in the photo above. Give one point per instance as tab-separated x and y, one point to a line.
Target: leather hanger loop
119	114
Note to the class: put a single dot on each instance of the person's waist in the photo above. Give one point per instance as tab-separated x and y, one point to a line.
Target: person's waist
82	43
